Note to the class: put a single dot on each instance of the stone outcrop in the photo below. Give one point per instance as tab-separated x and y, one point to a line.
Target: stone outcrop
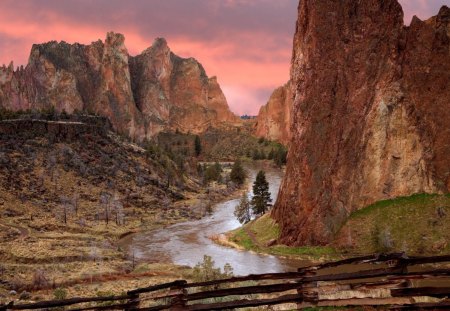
371	117
273	121
141	95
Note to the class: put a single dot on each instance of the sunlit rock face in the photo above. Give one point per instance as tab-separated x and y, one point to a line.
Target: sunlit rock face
371	113
141	95
273	121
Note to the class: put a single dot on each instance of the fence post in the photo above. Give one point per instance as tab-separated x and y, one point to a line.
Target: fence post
304	290
179	302
134	302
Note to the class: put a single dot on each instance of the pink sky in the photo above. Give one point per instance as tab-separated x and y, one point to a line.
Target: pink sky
245	43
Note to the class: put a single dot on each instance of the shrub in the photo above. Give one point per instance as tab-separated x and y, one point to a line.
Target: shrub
60	293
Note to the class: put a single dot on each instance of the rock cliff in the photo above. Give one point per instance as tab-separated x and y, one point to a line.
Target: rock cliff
371	117
273	119
141	95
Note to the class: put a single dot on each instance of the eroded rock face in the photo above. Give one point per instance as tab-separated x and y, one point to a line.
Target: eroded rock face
141	95
273	121
371	114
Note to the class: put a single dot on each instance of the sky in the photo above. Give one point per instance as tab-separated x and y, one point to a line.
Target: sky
247	44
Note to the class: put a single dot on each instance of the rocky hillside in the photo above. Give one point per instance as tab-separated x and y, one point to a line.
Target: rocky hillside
141	95
273	121
371	117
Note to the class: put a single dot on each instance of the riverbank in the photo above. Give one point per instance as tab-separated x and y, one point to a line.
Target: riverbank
417	225
260	236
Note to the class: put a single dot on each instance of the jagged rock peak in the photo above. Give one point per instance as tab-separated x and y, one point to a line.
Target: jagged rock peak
141	95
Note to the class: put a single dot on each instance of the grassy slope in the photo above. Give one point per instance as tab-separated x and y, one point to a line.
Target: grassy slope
257	234
418	224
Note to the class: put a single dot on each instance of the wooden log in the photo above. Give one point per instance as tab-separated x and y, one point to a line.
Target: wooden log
443	305
356	275
133	303
62	303
179	302
425	260
438	292
356	260
245	303
250	277
153	288
121	306
258	289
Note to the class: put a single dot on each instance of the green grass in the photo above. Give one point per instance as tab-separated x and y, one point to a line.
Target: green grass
265	230
415	199
417	224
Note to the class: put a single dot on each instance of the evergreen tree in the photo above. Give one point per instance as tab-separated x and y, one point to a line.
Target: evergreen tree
237	174
197	145
271	154
262	154
261	195
213	173
242	210
256	155
280	156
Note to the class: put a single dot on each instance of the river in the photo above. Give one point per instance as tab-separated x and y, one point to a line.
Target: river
186	243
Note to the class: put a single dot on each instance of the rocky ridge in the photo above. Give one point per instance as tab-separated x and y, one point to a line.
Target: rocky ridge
141	95
370	116
273	120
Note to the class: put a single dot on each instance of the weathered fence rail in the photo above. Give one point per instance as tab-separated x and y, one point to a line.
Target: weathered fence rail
392	280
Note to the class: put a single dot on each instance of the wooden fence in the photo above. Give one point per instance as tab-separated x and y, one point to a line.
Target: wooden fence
392	280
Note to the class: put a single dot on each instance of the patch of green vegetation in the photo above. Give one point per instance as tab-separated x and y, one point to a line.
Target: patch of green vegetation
419	198
241	237
417	224
314	251
265	230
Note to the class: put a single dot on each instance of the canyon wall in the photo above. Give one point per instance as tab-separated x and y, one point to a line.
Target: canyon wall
141	95
273	121
371	113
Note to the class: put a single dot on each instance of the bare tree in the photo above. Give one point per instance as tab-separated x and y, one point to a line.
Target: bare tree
105	200
75	200
51	165
56	176
66	208
117	208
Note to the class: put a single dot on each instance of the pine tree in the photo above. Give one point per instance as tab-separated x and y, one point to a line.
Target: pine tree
261	195
242	210
197	145
280	156
271	154
237	174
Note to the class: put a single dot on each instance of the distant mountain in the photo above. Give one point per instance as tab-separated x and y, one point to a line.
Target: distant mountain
143	95
273	120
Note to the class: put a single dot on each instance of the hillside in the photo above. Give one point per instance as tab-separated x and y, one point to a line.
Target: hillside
70	189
